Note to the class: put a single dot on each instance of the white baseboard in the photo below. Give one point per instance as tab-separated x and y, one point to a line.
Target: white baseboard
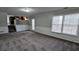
47	31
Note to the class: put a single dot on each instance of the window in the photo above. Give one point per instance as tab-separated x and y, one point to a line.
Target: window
33	24
70	24
57	23
67	24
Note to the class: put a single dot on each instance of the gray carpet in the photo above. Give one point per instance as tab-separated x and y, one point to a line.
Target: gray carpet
31	41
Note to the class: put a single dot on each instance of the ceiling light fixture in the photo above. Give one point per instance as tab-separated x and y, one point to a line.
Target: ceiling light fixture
27	10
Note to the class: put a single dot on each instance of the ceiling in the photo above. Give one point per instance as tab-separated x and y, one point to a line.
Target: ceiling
17	11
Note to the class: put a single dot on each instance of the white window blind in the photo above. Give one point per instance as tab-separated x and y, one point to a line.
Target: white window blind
57	23
70	24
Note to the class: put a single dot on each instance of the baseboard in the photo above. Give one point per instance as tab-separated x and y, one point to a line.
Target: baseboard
55	37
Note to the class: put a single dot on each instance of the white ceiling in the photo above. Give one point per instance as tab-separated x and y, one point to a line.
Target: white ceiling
17	11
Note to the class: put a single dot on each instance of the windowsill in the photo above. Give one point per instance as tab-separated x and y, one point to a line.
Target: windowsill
65	34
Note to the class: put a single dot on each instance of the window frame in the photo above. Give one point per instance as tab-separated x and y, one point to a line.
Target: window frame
53	24
77	25
63	24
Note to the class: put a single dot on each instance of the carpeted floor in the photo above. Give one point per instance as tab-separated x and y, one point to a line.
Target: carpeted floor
31	41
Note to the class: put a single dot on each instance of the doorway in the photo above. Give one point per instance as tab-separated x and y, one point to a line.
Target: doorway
12	27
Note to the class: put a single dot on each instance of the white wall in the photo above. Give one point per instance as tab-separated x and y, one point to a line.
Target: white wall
3	23
43	24
3	29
